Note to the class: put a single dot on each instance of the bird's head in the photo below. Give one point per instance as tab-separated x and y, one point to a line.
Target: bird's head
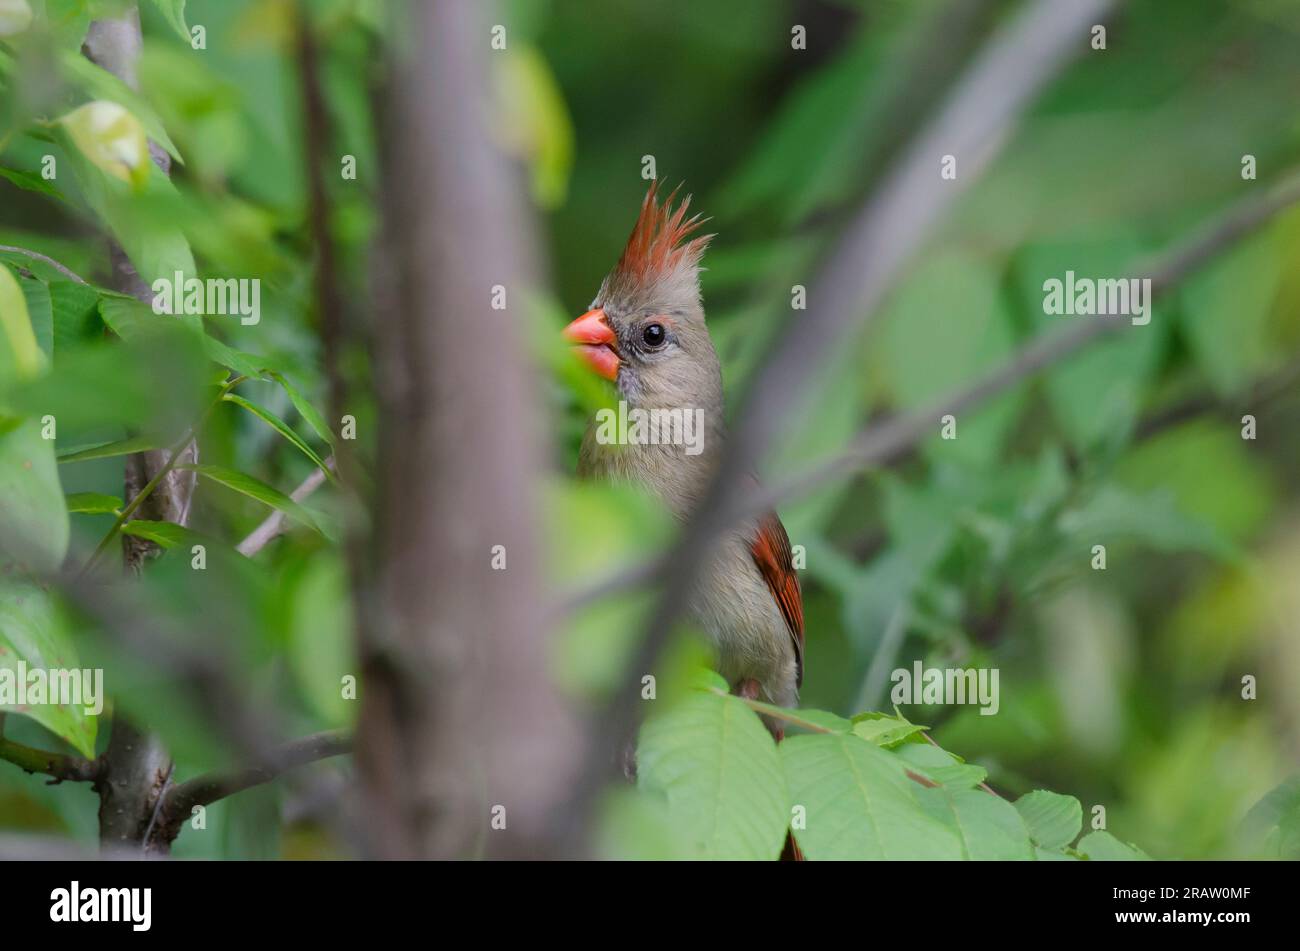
645	329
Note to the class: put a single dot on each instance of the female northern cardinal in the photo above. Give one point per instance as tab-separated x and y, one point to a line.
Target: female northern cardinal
645	331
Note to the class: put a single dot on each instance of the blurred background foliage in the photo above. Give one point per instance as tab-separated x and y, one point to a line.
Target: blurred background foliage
1122	686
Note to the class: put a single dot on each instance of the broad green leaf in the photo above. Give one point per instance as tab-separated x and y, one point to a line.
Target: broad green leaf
1053	820
106	450
305	409
33	631
989	827
939	765
717	765
33	516
255	489
860	803
1104	847
281	427
20	354
884	729
76	317
92	503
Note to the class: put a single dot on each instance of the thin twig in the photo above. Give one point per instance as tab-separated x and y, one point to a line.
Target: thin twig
45	259
173	459
273	525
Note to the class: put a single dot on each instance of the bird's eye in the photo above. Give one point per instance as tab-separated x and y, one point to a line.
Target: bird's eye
654	335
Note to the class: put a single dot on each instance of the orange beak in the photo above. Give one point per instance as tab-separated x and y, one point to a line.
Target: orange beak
595	342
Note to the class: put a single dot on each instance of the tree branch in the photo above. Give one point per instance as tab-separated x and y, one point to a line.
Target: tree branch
59	766
180	800
44	259
273	525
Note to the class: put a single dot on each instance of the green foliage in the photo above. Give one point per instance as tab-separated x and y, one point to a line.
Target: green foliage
1122	685
867	788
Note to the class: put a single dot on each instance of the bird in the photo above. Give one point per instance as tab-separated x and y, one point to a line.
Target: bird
645	331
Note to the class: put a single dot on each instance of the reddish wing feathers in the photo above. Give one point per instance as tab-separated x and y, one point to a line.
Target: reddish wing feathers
775	561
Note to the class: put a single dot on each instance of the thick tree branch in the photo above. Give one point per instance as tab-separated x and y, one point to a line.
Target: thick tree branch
459	718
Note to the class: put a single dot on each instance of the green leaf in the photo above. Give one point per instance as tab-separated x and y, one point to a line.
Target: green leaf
29	182
1276	820
927	351
1150	518
142	215
106	450
254	489
989	827
173	12
815	721
92	503
32	509
76	317
308	412
279	425
21	354
1104	847
245	364
859	803
1242	282
163	534
37	294
33	631
320	649
884	729
944	768
717	766
1053	820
